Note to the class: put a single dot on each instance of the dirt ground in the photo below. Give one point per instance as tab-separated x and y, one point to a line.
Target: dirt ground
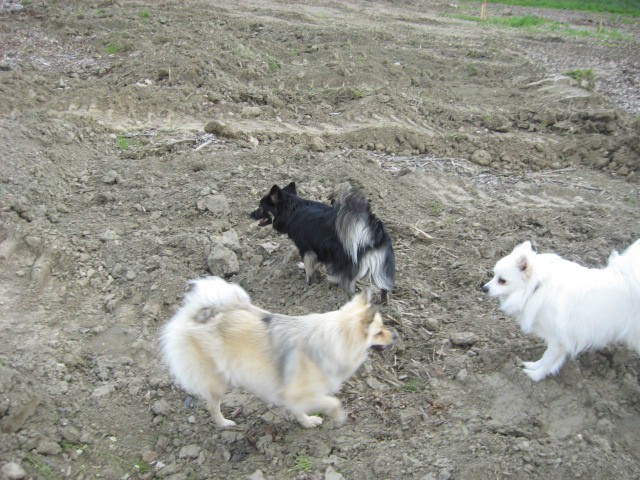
136	137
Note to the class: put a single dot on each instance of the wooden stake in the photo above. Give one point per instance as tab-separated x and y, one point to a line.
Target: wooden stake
483	10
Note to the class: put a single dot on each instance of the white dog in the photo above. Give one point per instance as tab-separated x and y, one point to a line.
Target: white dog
571	307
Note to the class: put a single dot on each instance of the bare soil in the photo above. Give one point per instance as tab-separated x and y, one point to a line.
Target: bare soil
136	137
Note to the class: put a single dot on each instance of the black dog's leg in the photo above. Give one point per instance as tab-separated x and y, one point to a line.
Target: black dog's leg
310	259
384	297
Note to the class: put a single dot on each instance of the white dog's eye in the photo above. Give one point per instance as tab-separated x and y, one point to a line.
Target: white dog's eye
501	281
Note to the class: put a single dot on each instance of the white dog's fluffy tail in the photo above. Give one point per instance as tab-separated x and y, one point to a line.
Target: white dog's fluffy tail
209	295
627	262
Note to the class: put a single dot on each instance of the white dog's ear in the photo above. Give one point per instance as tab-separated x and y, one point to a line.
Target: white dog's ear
523	263
525	246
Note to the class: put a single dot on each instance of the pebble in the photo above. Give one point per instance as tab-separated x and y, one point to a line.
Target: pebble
102	391
111	177
160	407
331	474
222	261
48	447
462	375
481	157
13	471
230	240
463	339
257	475
216	204
189	451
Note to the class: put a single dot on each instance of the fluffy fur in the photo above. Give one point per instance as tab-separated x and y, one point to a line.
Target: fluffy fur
346	236
571	307
218	339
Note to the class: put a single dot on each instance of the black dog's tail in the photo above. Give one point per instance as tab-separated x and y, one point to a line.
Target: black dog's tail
365	239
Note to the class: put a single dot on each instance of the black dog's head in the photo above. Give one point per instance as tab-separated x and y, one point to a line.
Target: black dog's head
272	204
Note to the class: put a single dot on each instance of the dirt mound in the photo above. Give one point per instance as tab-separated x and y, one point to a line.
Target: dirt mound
136	139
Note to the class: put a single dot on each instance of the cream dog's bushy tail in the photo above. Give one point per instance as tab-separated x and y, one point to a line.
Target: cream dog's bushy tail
216	293
209	296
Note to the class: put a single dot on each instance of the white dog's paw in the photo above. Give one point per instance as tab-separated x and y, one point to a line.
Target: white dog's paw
530	365
224	423
535	375
310	421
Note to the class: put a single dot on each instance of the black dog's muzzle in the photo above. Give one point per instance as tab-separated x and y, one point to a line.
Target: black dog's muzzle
262	216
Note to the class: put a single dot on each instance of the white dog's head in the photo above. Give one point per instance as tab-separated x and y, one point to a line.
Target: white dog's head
512	277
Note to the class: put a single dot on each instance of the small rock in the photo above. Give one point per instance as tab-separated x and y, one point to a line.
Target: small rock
230	240
481	157
462	375
160	407
431	324
251	111
444	474
221	129
149	456
111	178
374	383
216	204
214	97
70	434
270	247
103	391
170	469
190	451
317	144
331	474
48	447
257	475
222	261
463	339
13	471
108	235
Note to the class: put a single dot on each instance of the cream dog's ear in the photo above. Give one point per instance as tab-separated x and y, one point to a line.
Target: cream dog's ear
368	316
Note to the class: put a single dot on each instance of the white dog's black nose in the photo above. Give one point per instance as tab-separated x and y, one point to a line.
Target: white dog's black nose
485	287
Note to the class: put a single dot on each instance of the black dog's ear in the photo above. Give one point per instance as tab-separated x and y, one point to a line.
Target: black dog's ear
291	188
275	194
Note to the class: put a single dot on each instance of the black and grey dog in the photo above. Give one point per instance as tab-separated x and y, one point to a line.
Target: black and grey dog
346	236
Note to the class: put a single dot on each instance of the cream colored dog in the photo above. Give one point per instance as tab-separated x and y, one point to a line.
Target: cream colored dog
219	339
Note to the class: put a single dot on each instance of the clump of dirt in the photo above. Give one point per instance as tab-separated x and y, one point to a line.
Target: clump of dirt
137	138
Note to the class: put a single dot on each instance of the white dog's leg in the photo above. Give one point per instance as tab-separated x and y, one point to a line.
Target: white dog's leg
550	363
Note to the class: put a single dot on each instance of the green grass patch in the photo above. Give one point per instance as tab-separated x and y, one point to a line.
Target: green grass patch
112	48
620	7
412	385
142	467
38	464
145	14
123	143
535	23
580	75
303	464
274	66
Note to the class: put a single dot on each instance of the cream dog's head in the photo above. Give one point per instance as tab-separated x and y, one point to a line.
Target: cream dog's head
364	324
